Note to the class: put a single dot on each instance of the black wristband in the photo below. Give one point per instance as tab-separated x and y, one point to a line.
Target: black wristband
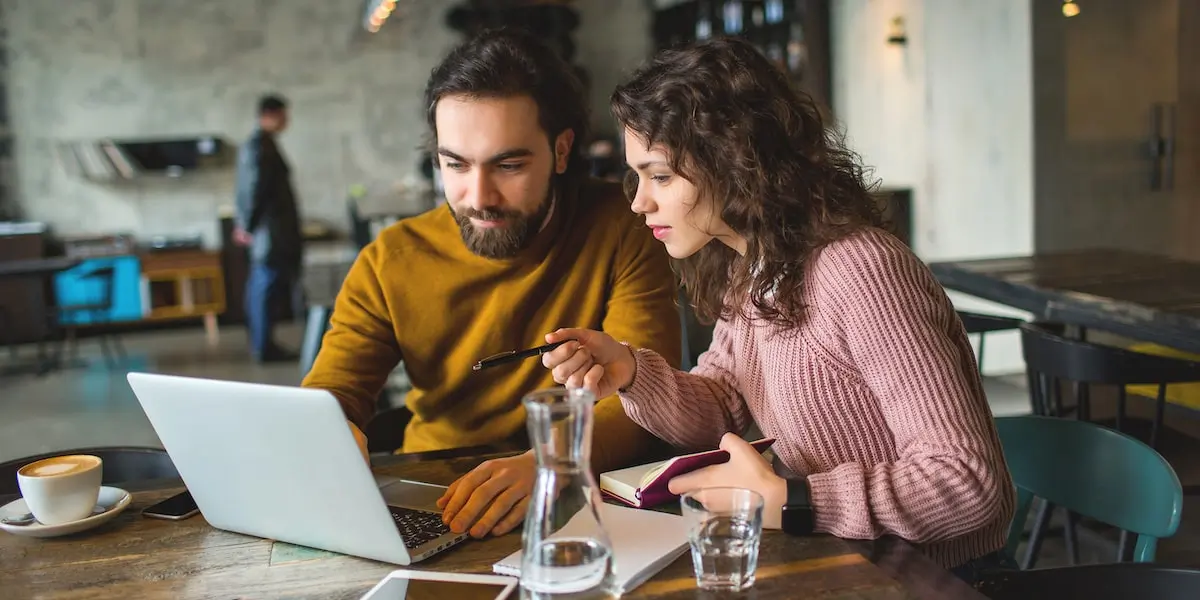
798	518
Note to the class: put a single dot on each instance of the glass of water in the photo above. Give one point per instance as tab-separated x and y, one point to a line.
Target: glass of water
724	528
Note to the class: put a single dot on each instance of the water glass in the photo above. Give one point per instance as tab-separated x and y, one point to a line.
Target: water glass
724	529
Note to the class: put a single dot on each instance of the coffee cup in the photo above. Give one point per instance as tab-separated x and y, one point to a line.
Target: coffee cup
61	489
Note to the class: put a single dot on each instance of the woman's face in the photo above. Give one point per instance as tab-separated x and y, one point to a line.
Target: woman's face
674	209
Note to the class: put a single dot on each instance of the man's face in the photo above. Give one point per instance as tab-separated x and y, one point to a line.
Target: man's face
275	121
497	165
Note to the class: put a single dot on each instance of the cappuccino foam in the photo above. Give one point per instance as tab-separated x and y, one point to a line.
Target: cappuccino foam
59	465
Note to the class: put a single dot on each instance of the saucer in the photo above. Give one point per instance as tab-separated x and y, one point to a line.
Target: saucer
112	500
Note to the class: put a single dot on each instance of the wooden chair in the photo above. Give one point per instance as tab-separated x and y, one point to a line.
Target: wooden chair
1052	359
1093	471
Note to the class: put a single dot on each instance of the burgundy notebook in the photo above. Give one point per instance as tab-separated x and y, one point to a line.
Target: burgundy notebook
645	486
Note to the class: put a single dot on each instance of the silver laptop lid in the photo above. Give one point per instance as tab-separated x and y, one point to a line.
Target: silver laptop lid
271	461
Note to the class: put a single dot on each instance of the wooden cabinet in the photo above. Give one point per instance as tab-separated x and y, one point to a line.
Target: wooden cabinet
183	284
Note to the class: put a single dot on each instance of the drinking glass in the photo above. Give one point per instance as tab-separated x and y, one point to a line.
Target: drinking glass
724	529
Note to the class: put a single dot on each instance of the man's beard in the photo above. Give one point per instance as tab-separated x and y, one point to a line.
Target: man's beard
506	240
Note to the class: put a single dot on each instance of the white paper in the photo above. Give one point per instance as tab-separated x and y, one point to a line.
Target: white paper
644	542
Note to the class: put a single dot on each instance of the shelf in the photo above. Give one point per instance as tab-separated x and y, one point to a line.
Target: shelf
182	284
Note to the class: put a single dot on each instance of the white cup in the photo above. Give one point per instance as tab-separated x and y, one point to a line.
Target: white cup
61	489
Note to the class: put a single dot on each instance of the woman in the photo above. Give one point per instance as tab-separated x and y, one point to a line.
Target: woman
830	335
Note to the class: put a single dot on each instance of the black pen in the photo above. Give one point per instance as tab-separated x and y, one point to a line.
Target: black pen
503	358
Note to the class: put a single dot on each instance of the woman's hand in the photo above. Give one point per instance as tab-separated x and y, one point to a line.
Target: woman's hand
592	360
747	469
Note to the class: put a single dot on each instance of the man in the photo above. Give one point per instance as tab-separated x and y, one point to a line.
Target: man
524	245
267	221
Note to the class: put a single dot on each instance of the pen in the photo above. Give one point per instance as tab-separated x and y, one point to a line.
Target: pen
514	356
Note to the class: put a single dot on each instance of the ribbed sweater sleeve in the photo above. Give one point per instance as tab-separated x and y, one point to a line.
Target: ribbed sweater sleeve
902	336
689	410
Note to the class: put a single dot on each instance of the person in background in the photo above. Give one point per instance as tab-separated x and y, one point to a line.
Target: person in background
268	222
830	333
524	242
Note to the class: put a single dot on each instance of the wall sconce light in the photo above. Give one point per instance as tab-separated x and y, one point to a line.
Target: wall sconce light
896	32
1070	8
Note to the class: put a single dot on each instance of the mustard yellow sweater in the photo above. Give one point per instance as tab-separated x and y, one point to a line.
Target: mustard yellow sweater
418	294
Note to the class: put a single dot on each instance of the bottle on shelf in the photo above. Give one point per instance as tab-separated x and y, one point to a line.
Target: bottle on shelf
704	21
731	17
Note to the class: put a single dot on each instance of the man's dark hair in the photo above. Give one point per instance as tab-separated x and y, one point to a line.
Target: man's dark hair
503	63
271	104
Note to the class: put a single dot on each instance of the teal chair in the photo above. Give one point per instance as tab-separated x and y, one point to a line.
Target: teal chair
1093	471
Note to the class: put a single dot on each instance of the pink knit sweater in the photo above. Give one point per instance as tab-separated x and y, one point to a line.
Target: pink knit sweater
875	400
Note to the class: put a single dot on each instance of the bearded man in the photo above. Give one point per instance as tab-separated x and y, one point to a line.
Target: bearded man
524	245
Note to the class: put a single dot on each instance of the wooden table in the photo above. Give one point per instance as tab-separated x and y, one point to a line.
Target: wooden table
33	305
1139	296
36	267
134	557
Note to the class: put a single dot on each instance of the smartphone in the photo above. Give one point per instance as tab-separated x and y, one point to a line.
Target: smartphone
428	585
176	508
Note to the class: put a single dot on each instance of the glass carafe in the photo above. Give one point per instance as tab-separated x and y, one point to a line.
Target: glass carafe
566	553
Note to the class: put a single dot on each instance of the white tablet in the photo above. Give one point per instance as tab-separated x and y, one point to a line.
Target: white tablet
427	585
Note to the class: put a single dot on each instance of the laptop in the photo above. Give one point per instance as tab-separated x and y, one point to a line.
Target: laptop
280	463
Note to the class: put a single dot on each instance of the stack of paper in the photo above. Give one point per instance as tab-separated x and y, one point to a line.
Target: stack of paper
644	542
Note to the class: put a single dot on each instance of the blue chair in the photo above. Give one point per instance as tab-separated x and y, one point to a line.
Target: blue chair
93	303
1093	471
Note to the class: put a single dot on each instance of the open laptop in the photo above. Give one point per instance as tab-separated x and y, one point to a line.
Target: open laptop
280	463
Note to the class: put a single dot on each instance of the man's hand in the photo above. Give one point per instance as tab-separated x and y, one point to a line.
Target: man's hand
361	440
747	469
492	498
242	237
593	361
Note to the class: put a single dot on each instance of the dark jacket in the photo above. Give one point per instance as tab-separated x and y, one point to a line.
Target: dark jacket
266	203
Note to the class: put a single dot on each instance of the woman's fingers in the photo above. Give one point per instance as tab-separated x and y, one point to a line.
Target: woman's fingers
592	379
580	362
580	335
559	355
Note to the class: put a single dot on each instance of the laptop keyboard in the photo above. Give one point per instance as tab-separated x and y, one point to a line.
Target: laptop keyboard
417	526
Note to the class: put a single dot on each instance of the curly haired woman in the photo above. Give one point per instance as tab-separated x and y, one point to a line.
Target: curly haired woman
830	334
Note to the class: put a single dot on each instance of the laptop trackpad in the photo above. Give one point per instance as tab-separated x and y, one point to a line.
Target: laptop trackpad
412	494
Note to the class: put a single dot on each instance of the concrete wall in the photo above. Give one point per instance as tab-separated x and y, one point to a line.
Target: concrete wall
151	68
949	115
8	206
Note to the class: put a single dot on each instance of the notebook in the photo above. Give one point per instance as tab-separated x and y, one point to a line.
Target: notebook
645	486
644	542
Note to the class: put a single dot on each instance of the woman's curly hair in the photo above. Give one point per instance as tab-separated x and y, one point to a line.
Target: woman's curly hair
733	124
